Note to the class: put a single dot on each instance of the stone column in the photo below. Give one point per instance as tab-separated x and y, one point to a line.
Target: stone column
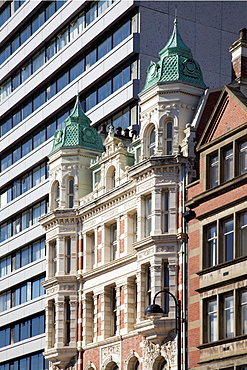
80	254
173	210
60	255
59	327
141	292
156	212
73	256
73	321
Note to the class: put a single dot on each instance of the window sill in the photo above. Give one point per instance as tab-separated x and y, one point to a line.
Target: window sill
222	341
221	265
216	191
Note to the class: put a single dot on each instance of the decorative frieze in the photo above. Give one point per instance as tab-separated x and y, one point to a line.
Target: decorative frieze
145	253
167	248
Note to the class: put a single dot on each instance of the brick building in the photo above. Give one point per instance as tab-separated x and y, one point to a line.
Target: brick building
114	230
217	300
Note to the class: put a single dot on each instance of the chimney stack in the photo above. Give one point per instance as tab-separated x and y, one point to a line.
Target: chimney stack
239	58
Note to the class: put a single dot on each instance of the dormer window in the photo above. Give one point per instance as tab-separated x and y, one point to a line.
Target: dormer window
151	142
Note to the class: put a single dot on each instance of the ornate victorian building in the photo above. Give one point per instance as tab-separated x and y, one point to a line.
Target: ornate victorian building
114	229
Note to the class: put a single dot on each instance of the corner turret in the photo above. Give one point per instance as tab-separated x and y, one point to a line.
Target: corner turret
176	64
73	149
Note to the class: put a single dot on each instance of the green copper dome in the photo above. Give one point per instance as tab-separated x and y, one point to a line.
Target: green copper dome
176	64
77	131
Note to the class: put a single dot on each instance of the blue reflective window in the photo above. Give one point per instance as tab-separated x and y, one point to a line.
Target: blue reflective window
6	126
51	90
62	81
16	118
50	10
26	72
38	22
16	154
51	49
15	44
104	91
38	60
91	14
27	110
6	161
91	100
25	34
27	147
16	81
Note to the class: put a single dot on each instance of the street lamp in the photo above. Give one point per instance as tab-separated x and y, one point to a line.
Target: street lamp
154	310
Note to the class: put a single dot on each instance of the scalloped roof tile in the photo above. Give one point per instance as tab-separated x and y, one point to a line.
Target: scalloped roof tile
77	132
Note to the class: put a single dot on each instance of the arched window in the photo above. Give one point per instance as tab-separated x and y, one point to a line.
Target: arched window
71	193
168	137
163	365
160	364
55	195
113	179
112	366
151	142
134	364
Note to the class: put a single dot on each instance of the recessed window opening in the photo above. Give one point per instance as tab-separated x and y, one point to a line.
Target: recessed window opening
151	142
71	193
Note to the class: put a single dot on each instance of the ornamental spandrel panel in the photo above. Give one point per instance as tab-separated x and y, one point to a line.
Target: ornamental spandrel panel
144	254
111	350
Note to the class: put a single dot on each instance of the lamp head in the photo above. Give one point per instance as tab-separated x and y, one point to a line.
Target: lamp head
153	310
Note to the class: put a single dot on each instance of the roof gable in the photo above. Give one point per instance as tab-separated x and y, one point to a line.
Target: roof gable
229	112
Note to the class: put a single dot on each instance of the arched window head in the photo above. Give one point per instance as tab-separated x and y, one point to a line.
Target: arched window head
160	364
151	142
71	193
134	364
168	137
163	365
112	366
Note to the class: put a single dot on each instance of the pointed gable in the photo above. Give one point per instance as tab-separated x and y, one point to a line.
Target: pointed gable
229	113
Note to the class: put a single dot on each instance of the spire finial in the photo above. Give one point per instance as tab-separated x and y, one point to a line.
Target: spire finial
176	14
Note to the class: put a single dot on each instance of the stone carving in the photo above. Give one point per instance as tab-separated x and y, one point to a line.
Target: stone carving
71	364
168	350
67	287
167	248
109	351
150	352
145	253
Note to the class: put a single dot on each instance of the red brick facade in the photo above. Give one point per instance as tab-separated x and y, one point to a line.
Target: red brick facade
225	128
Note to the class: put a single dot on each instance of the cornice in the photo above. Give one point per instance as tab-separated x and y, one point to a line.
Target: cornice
215	192
109	266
